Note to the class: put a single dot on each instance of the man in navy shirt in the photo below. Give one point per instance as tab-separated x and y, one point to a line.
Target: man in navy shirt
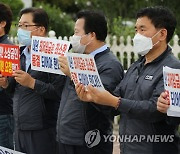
6	118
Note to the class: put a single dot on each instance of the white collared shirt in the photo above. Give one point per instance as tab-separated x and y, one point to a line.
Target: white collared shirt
99	50
28	57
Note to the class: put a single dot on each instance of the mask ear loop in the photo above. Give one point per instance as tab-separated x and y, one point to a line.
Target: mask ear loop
88	42
154	36
156	43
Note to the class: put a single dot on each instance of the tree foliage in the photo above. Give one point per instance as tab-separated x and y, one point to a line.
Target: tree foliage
120	28
15	5
115	10
60	22
68	6
127	8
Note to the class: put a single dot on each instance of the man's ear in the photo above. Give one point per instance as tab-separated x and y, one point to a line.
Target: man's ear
93	34
3	24
42	30
163	34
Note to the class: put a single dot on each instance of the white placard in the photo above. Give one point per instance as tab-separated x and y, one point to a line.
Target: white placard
45	53
83	69
172	86
4	150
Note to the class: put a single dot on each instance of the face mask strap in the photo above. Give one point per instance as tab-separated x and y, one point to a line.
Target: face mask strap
85	35
156	43
154	36
156	33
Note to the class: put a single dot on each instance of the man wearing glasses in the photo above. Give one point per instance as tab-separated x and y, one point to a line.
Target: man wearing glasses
37	94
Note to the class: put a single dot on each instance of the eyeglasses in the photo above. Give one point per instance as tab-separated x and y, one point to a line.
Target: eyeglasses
24	26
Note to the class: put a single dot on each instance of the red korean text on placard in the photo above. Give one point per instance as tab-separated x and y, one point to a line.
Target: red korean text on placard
9	59
90	64
60	49
173	80
74	77
79	63
46	47
36	60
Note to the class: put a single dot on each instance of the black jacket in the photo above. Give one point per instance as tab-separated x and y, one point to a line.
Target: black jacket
5	98
37	109
75	117
173	120
139	90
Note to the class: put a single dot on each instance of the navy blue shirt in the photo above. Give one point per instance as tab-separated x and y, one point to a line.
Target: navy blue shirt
5	98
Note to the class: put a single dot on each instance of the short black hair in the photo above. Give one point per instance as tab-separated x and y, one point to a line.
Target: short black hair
95	21
40	17
6	15
161	17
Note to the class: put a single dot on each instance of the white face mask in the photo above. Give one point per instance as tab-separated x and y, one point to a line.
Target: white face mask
143	44
76	44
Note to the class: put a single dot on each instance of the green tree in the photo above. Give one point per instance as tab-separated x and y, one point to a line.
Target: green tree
114	8
68	6
15	5
60	22
127	8
119	28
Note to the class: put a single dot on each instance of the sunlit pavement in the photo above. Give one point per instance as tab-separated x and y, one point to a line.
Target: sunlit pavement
116	149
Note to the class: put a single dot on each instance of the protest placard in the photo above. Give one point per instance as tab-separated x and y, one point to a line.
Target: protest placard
45	53
172	86
83	69
4	150
9	59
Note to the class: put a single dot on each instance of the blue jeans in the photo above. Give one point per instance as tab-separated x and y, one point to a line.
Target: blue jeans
6	131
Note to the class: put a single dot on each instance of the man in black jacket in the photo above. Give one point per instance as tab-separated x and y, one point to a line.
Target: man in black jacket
37	94
77	120
143	129
6	118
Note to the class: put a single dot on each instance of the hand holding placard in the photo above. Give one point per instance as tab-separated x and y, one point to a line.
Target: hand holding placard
63	63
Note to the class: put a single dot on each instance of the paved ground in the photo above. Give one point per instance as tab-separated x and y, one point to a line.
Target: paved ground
116	149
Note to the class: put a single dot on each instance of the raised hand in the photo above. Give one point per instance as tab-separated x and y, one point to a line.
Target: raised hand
24	79
64	65
163	102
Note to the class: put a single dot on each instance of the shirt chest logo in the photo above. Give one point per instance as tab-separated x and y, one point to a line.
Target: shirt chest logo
148	77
